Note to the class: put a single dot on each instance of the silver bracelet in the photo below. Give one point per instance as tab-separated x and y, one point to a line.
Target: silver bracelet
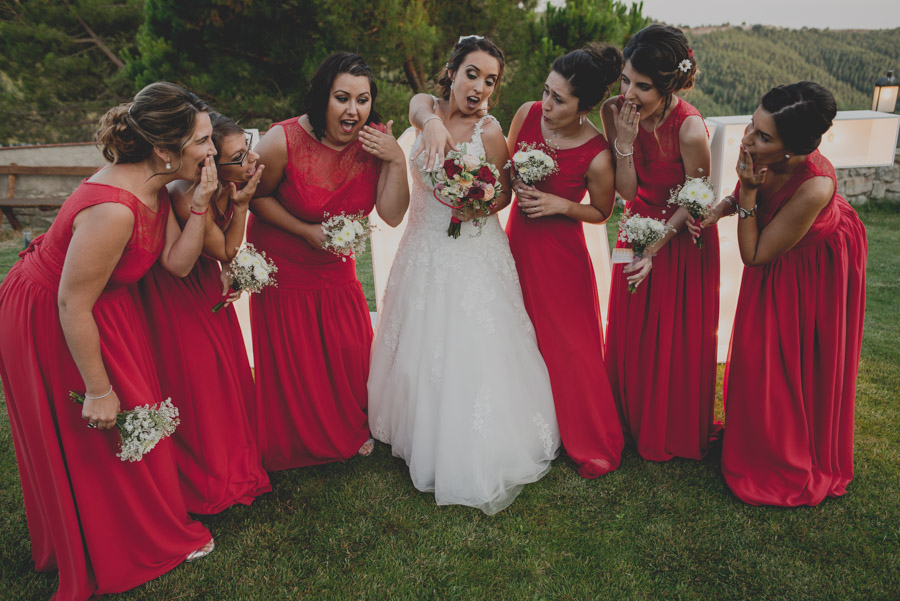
619	153
730	200
102	396
429	118
744	213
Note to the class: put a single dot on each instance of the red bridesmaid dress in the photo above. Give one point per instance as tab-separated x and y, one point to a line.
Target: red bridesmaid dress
203	366
104	524
790	381
312	333
661	340
560	294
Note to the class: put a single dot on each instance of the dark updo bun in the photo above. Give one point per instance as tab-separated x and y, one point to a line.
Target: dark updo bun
802	112
659	51
463	48
162	115
590	71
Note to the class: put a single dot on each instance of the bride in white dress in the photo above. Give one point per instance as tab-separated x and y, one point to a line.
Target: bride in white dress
457	385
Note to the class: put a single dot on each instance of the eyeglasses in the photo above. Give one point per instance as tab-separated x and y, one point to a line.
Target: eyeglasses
240	160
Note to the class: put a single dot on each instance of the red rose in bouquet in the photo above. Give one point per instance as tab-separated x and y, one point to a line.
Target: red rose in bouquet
451	168
485	175
466	181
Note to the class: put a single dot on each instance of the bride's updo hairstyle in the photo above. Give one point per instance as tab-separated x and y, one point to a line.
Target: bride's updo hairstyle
590	71
316	100
162	115
802	112
464	47
662	53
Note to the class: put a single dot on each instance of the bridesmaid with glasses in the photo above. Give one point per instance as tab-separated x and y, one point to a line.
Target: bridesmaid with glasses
200	355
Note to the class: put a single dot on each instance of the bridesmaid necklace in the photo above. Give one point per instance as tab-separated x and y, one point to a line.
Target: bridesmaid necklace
555	145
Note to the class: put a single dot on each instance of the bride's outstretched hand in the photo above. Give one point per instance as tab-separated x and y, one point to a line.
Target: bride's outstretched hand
436	143
380	144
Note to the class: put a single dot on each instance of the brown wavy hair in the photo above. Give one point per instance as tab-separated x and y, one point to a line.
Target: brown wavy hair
162	115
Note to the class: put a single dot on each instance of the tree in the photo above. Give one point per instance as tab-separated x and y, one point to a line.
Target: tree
62	65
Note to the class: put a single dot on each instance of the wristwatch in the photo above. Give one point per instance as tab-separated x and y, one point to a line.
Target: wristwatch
744	213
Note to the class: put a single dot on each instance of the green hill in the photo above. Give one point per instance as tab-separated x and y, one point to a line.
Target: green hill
739	64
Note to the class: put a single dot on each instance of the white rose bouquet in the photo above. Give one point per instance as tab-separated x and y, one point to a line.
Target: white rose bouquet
141	428
465	181
532	164
697	196
346	234
641	232
250	270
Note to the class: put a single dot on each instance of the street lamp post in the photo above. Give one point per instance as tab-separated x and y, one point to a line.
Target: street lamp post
885	98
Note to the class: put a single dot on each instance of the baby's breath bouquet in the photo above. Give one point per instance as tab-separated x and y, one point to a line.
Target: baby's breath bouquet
641	232
346	234
250	270
697	196
531	163
141	428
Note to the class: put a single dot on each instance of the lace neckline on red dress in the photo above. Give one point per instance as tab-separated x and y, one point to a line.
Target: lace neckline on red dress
323	145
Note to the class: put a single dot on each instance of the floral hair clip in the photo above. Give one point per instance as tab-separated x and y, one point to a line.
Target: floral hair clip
463	38
685	66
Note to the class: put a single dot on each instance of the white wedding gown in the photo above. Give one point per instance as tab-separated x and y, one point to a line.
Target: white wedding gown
457	384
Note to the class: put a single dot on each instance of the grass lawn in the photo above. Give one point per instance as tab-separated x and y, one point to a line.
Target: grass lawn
359	530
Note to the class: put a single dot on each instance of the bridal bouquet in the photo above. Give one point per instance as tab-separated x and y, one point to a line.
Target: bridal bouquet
465	182
141	428
697	196
532	164
250	270
641	232
346	234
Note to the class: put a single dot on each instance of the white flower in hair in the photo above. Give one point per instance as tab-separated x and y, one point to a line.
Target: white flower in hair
468	37
685	66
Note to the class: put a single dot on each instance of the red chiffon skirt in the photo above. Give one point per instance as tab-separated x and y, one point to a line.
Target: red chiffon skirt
104	524
661	346
203	367
312	336
560	294
790	383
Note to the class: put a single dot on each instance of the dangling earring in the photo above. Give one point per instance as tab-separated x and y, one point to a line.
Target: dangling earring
580	119
452	83
168	166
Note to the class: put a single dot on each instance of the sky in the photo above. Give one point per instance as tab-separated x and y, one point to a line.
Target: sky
821	14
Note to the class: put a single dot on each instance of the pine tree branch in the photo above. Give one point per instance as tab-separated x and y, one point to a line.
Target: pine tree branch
119	63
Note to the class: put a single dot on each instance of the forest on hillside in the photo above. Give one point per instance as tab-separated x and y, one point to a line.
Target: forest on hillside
740	64
64	62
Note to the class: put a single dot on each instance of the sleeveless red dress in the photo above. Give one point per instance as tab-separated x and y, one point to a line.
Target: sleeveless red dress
790	381
560	294
105	524
312	334
203	366
661	340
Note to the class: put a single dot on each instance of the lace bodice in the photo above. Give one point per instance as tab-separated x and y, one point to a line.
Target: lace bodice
480	256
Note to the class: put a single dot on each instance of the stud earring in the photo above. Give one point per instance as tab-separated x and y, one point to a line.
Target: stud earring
787	156
580	119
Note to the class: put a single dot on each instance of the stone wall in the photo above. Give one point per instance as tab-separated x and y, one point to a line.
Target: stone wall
859	185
